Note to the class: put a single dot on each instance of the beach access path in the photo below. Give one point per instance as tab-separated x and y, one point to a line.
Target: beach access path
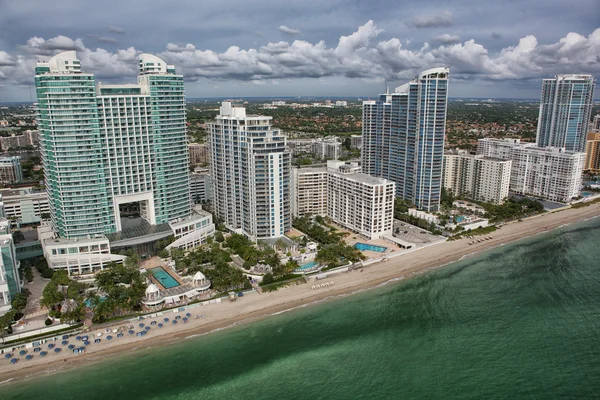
255	306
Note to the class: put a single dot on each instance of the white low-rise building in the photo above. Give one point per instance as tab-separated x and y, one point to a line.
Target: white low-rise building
476	177
548	173
25	205
192	231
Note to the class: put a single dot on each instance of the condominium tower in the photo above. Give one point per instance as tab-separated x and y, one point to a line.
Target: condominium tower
550	173
107	145
565	111
403	137
250	166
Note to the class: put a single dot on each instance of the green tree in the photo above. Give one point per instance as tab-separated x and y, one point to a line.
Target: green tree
18	236
219	237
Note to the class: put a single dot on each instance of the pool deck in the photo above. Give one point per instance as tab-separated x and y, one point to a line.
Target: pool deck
156	262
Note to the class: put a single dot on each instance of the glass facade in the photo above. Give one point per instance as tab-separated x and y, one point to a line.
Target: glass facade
100	142
403	137
565	111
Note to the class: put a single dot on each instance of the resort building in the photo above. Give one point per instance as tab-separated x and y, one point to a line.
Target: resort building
250	169
565	111
309	191
10	284
403	137
10	169
592	153
25	205
477	177
198	154
548	173
356	141
356	201
200	185
192	232
110	149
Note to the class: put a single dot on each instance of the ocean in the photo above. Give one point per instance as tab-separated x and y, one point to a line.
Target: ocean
519	321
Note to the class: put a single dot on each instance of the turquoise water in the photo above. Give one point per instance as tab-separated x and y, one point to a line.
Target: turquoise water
309	265
460	218
164	278
88	302
519	322
370	247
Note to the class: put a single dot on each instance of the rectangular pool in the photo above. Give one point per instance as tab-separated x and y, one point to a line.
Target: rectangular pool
370	247
164	278
309	265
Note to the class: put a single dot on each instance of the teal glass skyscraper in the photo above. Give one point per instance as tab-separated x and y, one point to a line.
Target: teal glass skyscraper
403	137
108	145
565	111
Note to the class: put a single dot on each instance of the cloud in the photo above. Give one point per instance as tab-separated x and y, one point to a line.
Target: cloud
442	19
289	31
115	29
357	55
103	39
447	39
496	35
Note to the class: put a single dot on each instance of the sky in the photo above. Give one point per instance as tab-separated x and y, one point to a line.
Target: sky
307	48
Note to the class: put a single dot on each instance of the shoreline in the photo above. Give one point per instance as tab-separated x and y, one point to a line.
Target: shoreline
255	307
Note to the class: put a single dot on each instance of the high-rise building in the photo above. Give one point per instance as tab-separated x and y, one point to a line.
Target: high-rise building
309	191
10	169
565	111
250	168
550	173
477	177
403	137
108	145
592	153
198	153
10	284
595	124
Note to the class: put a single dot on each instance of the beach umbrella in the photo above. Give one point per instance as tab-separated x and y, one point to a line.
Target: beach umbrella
141	325
160	325
77	337
185	319
131	332
37	349
119	335
178	317
147	328
97	340
166	319
65	342
174	321
71	346
65	337
87	343
29	357
115	331
188	315
7	356
109	337
57	350
43	353
84	338
23	352
51	345
153	323
14	360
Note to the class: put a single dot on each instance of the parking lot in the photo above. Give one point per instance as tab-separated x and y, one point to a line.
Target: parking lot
414	234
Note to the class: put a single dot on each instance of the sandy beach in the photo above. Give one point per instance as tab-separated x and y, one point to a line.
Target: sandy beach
256	306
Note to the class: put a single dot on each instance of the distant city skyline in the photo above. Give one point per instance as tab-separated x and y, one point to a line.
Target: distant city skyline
345	48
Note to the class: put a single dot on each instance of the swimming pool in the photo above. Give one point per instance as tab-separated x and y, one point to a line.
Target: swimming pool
309	265
88	301
164	278
370	247
460	218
